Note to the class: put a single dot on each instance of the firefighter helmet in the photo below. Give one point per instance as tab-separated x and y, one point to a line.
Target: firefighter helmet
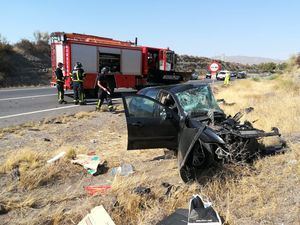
78	65
60	64
104	70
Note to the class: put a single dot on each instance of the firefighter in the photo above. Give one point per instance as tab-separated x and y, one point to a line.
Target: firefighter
227	78
104	91
78	76
60	82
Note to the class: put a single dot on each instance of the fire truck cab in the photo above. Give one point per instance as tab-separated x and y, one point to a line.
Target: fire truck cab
130	65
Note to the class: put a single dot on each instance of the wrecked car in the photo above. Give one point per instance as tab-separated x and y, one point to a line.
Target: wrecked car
187	119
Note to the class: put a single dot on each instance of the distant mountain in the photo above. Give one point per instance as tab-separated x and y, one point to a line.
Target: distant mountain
247	59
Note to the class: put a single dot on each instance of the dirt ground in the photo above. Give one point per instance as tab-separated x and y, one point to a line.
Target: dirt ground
266	192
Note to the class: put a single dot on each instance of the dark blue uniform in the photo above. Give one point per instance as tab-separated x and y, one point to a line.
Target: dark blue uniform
77	79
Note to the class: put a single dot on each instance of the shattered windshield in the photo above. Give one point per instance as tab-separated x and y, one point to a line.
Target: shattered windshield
198	100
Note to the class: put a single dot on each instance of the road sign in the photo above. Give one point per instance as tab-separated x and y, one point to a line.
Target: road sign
214	67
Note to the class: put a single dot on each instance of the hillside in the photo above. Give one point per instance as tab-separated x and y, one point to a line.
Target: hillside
247	59
24	63
186	63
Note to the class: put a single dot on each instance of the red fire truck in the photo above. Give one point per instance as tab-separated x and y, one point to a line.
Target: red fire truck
130	65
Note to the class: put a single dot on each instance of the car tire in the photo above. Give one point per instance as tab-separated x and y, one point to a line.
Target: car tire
187	174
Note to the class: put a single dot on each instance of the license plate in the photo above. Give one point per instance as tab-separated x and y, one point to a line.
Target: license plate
171	77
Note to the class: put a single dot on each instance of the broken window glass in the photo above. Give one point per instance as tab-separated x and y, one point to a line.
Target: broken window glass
199	99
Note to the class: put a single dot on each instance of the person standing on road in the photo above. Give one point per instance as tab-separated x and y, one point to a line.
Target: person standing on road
104	91
60	82
78	76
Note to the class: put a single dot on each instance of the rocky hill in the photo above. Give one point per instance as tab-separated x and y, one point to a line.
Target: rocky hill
186	63
25	63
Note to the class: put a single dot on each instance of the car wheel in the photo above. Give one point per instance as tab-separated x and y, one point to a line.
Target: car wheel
187	174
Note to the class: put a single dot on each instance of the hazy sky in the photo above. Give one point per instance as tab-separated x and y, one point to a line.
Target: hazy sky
267	28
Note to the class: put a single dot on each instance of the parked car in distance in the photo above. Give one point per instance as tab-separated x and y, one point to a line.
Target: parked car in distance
233	74
194	76
222	74
241	75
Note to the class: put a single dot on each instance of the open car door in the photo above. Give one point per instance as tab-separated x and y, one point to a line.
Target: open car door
149	123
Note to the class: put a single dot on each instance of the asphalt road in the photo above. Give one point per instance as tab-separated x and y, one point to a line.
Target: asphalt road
20	105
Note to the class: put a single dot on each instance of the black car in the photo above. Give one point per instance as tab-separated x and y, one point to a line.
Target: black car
241	75
187	119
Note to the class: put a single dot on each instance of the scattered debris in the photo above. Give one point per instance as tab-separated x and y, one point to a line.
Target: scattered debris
199	213
98	216
90	162
47	139
3	210
123	170
202	213
93	141
169	188
140	190
34	129
15	173
101	169
93	190
57	157
222	101
179	217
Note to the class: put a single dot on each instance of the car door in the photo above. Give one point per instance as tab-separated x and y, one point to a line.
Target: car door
149	123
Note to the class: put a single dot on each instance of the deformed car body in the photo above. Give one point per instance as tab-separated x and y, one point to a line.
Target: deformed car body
187	119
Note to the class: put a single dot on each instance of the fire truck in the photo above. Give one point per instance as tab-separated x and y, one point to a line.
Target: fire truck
130	65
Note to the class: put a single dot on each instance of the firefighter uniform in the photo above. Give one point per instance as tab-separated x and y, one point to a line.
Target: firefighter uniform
77	77
60	82
103	94
227	78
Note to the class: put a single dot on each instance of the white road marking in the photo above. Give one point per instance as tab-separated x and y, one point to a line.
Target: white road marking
33	96
24	89
39	111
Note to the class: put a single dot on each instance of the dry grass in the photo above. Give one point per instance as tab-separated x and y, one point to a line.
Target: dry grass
275	102
266	192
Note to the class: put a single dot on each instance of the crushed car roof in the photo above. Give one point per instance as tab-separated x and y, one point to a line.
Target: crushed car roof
178	87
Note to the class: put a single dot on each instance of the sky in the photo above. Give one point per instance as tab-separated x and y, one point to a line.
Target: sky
265	28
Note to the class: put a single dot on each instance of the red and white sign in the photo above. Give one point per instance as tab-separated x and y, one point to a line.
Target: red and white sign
214	67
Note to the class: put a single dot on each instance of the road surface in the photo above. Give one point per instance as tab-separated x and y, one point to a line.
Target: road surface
20	105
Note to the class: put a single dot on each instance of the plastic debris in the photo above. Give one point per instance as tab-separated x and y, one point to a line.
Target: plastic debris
89	162
123	170
98	216
202	213
179	217
140	190
100	189
15	173
57	157
199	213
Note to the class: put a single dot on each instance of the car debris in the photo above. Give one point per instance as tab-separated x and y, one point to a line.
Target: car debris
99	189
98	216
202	213
199	213
123	170
141	190
57	157
92	163
186	119
3	209
15	173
